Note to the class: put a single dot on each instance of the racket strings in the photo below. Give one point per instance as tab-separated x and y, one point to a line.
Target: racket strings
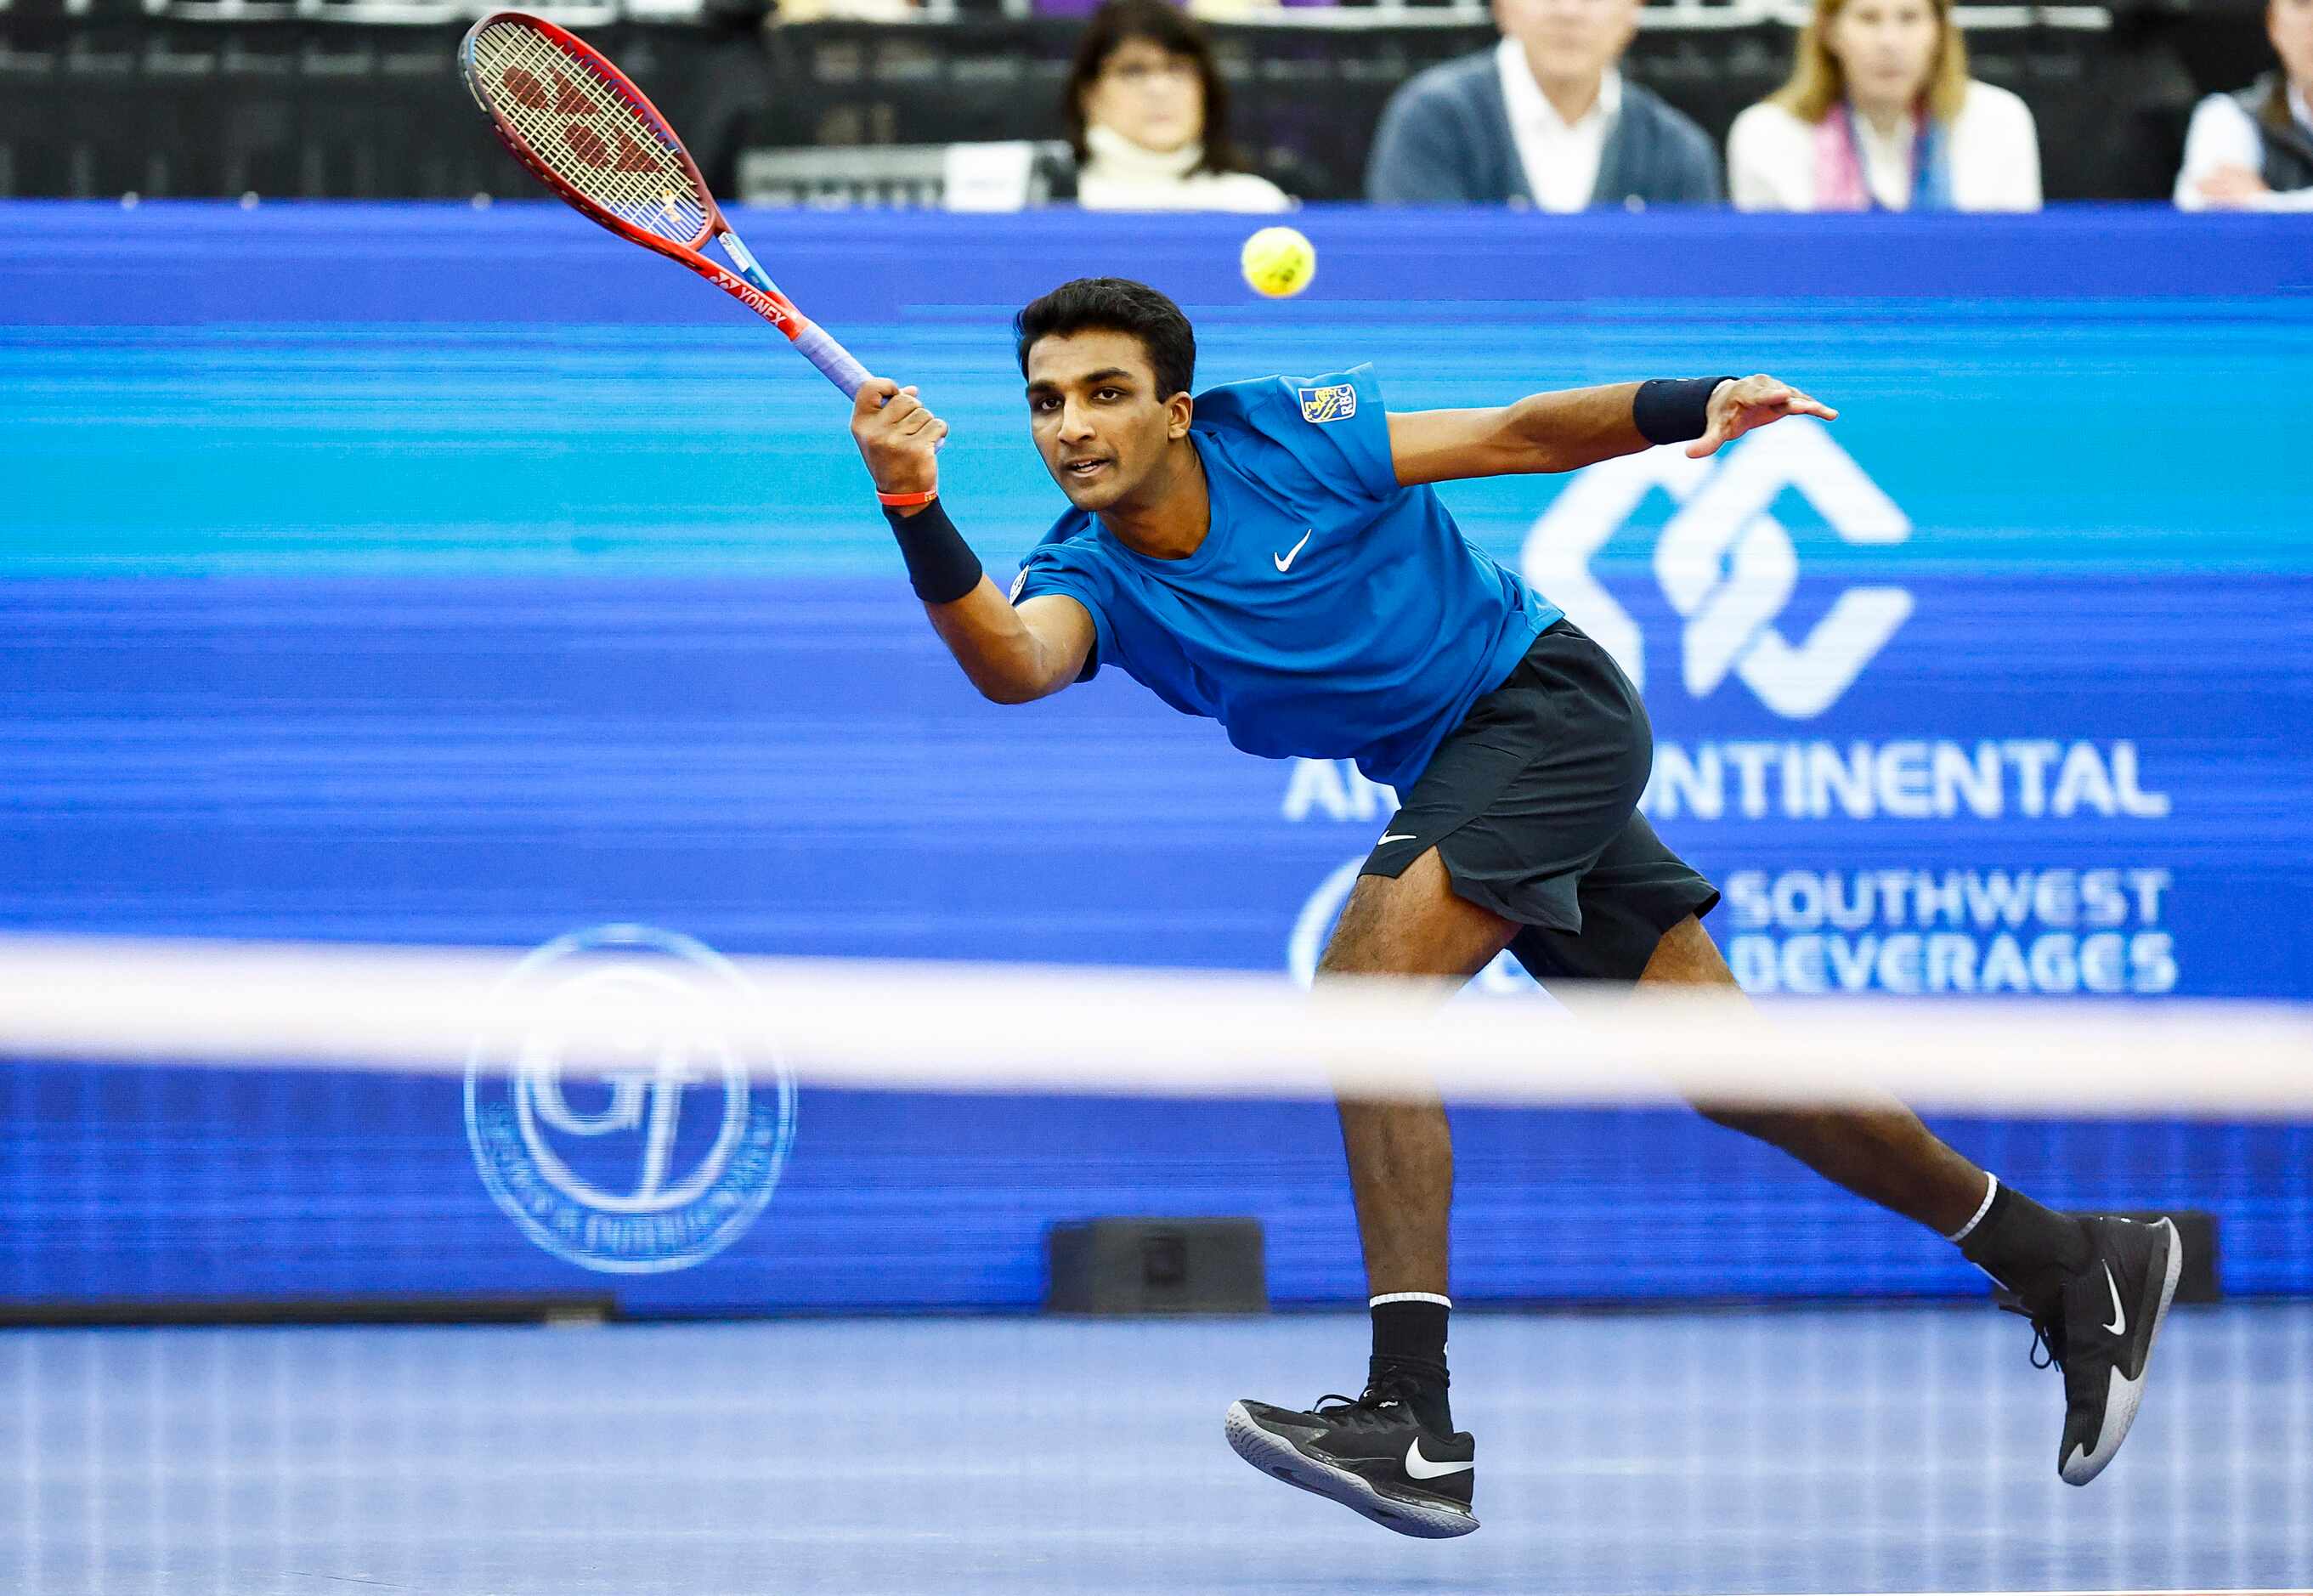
587	133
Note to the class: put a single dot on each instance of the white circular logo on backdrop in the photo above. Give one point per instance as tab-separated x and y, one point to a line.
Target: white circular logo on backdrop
660	1157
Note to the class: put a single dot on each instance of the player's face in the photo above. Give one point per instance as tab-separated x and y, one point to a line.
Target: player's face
1886	49
1099	421
1568	40
2288	23
1150	95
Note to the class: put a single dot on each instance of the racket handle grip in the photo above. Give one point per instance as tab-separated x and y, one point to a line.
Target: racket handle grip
834	361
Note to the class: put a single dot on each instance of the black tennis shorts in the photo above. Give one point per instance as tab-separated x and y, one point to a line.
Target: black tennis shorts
1532	804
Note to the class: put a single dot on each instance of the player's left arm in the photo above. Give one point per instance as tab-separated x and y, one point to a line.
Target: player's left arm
1574	427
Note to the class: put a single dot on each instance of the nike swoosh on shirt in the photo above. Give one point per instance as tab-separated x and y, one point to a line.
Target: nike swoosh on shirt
1395	837
2119	1326
1422	1468
1285	562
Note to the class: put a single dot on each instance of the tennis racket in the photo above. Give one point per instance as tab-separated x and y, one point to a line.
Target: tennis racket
587	133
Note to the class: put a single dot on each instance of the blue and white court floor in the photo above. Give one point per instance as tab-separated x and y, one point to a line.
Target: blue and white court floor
1886	1449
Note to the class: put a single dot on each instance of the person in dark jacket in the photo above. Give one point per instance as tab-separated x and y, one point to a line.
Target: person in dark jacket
1544	120
2253	150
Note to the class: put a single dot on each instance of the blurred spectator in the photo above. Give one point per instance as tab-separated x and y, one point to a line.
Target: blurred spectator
1881	114
1148	114
2253	150
1544	118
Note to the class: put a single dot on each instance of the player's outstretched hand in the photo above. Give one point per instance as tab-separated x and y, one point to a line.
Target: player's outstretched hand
1737	407
898	436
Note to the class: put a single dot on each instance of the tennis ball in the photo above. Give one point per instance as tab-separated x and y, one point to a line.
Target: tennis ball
1279	261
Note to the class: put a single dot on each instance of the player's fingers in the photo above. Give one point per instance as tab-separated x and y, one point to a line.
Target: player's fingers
872	394
918	421
1704	448
904	405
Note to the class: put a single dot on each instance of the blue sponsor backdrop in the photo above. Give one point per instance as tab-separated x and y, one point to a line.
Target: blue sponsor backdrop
420	574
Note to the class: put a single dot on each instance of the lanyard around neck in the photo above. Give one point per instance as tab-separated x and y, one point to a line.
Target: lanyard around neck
1922	193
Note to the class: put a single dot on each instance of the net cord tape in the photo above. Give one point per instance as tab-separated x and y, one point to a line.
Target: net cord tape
952	1026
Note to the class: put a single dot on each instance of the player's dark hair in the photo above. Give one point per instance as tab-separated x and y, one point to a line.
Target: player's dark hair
1116	304
1171	30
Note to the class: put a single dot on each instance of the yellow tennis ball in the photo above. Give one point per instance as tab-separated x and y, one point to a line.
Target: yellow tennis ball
1279	261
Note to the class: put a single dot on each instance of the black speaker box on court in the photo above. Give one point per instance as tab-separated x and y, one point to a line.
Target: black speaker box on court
1157	1265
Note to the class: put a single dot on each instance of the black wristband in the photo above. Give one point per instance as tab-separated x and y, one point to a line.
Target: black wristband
941	566
1675	410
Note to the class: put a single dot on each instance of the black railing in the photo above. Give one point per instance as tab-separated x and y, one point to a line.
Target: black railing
211	100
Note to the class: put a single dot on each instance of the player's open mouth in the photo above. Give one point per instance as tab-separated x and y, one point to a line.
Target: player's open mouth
1083	469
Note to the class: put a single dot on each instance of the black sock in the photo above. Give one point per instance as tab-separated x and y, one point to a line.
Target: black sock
1409	1345
2026	1248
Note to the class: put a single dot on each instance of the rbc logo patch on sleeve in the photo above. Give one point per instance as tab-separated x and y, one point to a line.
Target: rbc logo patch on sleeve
1337	401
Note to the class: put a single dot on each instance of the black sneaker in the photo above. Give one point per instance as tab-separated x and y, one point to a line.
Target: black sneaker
2098	1330
1371	1454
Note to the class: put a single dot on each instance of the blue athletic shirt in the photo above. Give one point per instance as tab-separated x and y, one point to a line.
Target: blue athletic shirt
1329	612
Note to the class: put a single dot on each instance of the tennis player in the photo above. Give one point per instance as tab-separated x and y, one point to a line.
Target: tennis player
1269	553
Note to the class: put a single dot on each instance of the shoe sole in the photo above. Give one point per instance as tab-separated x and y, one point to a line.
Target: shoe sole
1272	1454
2127	1395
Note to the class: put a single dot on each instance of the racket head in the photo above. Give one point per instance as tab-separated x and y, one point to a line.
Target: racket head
585	130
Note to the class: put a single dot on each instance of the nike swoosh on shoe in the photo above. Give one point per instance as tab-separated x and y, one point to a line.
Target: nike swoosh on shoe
1422	1468
2123	1395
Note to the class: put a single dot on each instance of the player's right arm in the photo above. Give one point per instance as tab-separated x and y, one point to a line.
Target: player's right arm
1013	656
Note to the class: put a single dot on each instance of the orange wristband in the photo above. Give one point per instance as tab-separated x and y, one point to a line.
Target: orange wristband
906	500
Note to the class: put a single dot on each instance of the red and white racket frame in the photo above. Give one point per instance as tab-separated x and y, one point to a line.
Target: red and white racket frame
749	285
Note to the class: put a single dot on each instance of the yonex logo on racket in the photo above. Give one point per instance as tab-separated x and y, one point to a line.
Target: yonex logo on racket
656	1163
529	91
755	298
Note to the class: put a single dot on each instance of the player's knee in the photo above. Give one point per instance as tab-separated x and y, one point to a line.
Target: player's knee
1685	956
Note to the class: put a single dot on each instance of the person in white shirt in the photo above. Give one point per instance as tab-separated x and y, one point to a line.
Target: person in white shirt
1560	128
2253	150
1147	113
1880	114
1544	120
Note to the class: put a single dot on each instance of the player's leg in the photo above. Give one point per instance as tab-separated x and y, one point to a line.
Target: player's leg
1401	1158
1883	1153
1393	1453
1514	806
2095	1289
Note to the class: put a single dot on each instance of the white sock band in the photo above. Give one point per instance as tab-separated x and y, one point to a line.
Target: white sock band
1991	1189
1419	1297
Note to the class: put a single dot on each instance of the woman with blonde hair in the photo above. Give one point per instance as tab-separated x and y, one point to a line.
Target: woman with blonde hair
1880	114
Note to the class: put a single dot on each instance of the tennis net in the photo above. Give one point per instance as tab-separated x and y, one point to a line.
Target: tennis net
907	1277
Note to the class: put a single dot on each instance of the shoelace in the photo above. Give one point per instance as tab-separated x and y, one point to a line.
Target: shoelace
2048	1330
1366	1410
